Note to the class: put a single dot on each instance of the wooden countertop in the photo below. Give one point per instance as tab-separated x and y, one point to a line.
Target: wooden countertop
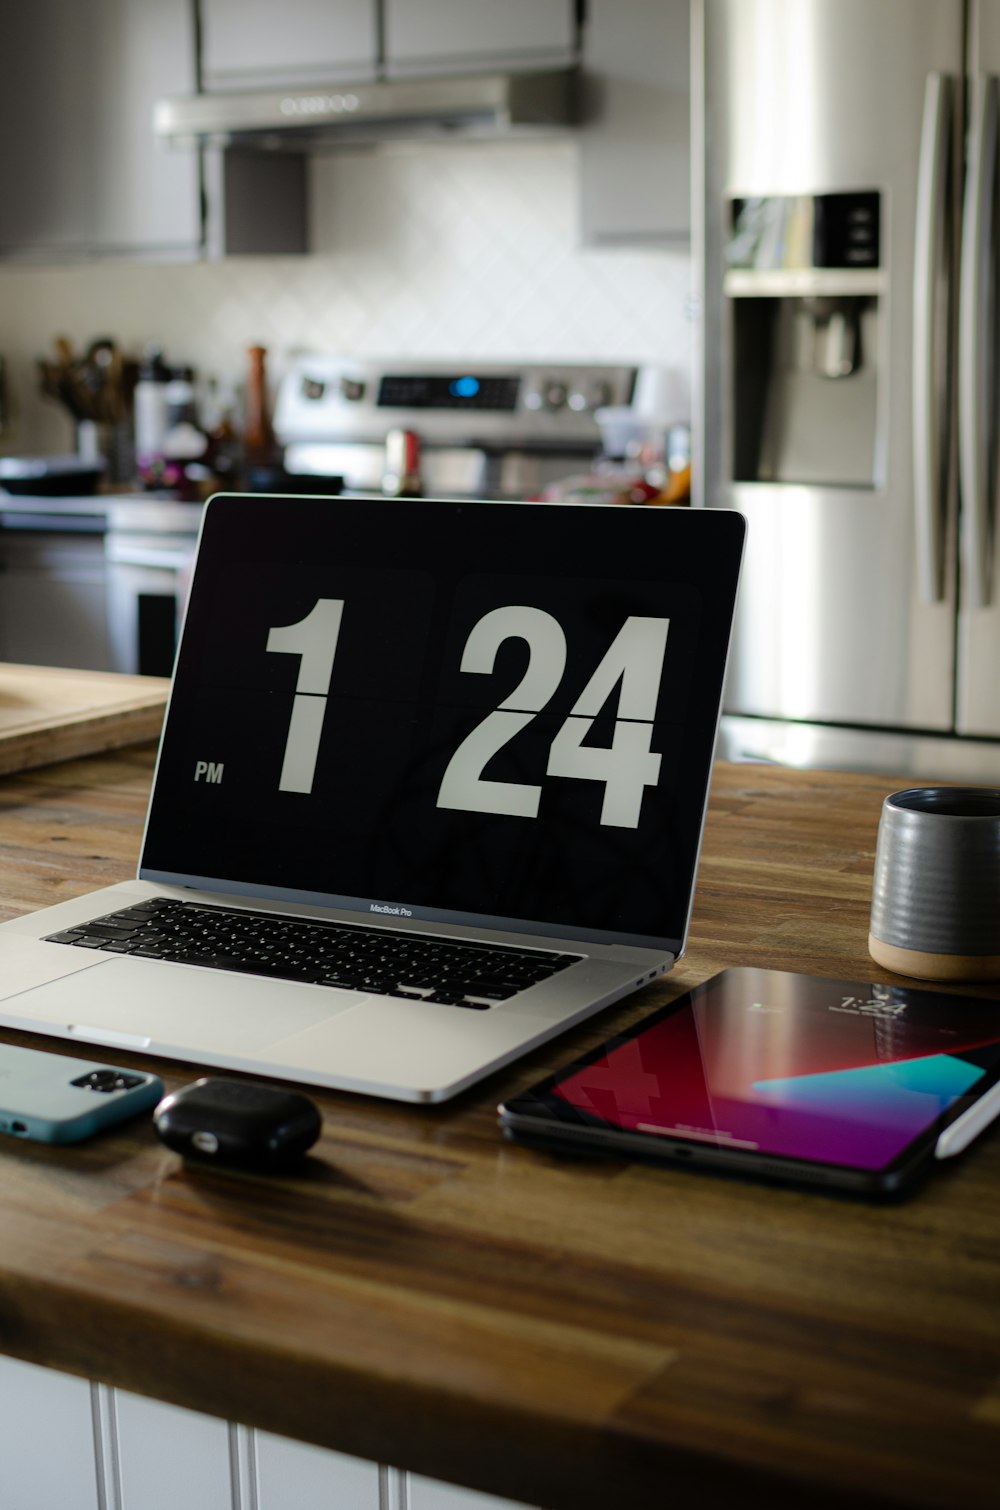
569	1334
48	713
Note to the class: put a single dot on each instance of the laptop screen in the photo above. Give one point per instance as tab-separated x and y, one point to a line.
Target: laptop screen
484	712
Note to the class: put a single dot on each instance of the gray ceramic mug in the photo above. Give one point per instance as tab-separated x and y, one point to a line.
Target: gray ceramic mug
936	893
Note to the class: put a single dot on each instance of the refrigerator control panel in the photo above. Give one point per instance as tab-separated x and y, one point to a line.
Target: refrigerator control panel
779	231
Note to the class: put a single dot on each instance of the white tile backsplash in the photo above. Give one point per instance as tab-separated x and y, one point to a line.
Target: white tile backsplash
451	251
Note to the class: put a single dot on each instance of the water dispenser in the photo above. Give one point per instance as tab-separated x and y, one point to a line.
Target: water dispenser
803	290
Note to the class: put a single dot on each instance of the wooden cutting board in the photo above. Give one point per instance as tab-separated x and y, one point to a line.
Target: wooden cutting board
49	714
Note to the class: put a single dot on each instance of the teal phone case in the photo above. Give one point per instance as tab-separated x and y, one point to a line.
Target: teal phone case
52	1098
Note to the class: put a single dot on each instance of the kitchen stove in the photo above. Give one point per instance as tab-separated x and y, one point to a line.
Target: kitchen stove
486	429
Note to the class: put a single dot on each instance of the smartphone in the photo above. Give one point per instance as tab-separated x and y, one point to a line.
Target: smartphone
54	1099
846	1084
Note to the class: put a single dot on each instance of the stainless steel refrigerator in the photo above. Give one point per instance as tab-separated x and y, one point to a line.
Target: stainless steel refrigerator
846	242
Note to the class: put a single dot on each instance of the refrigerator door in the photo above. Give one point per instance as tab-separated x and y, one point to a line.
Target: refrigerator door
978	689
824	359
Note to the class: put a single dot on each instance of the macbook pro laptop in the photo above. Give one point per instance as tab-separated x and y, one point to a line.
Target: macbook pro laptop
430	790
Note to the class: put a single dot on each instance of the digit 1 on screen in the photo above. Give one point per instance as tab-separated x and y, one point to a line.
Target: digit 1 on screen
314	639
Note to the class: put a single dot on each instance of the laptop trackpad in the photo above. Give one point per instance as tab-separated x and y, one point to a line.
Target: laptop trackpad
178	1006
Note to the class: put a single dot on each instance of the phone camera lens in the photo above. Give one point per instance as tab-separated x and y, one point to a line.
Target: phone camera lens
104	1081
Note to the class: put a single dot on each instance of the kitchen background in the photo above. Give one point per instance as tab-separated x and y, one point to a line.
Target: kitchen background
768	229
439	252
494	196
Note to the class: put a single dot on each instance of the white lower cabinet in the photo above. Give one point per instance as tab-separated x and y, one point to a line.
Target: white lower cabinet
295	1476
68	1444
47	1440
165	1457
429	1494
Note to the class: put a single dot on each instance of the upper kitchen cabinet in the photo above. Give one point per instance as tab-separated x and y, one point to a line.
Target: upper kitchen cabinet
473	36
82	175
635	171
249	44
80	172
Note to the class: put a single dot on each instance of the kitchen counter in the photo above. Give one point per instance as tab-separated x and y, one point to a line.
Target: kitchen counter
103	511
570	1334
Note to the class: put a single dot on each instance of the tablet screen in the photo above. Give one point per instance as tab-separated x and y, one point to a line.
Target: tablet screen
830	1072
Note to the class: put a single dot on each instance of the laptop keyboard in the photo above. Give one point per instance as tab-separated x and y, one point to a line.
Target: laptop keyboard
417	966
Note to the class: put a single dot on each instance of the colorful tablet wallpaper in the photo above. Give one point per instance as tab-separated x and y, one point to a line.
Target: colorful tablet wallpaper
838	1072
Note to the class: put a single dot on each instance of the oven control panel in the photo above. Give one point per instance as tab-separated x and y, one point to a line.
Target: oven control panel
330	398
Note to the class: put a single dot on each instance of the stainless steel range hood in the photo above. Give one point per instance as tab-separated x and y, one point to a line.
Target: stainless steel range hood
482	105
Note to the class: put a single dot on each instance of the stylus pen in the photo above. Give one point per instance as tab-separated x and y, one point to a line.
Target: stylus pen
961	1133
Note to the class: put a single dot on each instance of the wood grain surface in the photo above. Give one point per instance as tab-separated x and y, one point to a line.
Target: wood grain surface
49	714
572	1334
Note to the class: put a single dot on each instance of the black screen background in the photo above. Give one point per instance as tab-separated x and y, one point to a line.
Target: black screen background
415	577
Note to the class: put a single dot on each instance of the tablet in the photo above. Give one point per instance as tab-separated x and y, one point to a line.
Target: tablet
788	1077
